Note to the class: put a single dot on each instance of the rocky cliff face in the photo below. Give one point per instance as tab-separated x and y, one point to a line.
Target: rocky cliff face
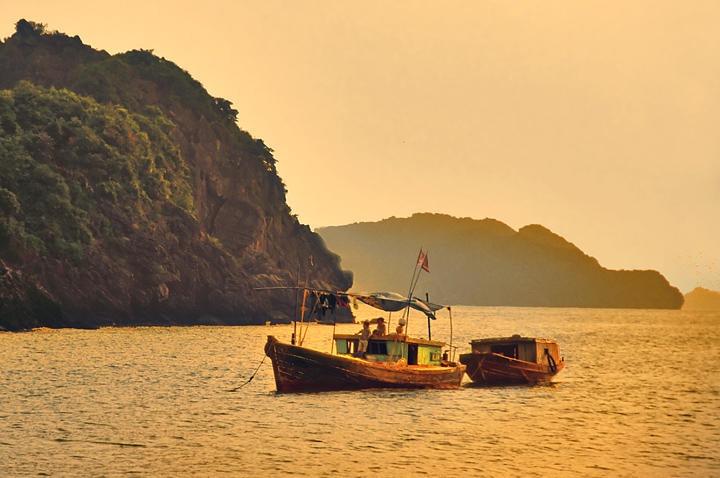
181	214
486	262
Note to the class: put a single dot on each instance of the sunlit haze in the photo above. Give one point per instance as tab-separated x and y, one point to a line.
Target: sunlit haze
598	120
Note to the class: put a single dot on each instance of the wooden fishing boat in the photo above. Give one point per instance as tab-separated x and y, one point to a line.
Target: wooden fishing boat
512	360
390	362
363	360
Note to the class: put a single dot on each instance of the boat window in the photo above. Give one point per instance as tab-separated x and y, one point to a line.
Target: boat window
506	350
377	348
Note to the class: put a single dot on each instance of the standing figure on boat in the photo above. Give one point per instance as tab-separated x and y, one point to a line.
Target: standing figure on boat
400	328
364	339
380	330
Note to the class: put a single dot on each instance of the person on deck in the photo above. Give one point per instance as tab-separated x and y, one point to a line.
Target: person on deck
380	330
400	328
364	338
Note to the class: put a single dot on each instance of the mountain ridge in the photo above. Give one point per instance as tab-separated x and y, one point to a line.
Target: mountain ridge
486	262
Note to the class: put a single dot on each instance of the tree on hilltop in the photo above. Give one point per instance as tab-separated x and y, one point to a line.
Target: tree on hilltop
25	27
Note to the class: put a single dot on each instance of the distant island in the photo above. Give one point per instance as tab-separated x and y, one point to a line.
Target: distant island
702	299
486	262
128	195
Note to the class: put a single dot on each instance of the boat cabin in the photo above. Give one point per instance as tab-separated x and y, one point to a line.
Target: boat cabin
391	348
528	349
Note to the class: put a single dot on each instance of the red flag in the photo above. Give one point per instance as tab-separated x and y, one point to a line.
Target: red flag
425	265
421	257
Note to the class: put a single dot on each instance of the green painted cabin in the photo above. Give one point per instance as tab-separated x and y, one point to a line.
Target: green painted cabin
391	348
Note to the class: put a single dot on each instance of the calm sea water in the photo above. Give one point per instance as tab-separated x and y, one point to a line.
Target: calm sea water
639	396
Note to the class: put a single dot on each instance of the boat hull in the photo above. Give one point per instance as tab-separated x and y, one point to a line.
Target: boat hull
496	369
298	369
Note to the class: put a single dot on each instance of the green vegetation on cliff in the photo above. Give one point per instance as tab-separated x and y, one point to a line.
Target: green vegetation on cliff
62	154
486	262
129	195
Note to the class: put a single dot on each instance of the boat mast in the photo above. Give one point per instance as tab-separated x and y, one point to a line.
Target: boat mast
413	283
422	260
297	290
305	291
452	352
427	299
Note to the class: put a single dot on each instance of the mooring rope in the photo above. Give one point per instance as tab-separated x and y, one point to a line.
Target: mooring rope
251	376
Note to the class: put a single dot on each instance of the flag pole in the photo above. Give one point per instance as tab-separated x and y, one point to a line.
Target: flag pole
406	312
415	269
412	289
412	280
417	279
452	352
423	262
427	298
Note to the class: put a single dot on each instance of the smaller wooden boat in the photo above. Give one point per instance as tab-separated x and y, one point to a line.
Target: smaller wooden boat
509	360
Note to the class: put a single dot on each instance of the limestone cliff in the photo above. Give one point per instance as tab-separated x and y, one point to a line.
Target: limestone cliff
128	195
486	262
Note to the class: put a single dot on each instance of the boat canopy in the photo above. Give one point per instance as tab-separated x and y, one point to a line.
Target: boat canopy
393	302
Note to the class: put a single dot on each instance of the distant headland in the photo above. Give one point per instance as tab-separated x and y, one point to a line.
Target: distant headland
128	195
486	262
702	299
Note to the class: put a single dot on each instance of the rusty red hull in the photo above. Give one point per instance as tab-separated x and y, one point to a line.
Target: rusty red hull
496	369
298	369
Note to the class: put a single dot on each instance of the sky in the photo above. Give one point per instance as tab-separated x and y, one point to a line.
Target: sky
599	120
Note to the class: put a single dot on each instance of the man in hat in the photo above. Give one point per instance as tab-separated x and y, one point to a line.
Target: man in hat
380	330
401	327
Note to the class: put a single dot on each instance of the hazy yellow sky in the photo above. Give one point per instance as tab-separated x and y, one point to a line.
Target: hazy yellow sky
597	119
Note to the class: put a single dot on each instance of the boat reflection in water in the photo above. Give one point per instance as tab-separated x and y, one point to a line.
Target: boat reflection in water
513	360
391	361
